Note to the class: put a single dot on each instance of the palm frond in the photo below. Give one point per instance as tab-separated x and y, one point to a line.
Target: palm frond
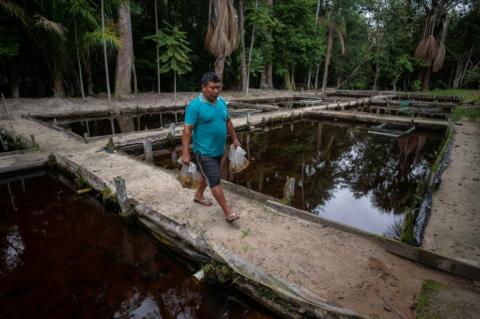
49	25
95	38
427	49
222	34
14	10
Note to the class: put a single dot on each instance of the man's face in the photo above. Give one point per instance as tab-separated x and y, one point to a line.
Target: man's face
211	90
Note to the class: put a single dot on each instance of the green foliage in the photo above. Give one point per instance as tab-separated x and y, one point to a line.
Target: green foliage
466	112
38	43
264	20
297	40
175	50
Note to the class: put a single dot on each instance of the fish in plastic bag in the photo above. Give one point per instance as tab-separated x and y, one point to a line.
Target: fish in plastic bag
189	177
238	160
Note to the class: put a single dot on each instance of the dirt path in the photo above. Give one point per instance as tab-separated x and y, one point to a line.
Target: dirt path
454	226
342	268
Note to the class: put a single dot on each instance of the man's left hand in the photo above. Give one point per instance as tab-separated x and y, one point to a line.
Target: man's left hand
236	143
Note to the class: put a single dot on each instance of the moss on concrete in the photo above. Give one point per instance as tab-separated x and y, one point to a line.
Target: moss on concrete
109	199
407	235
425	308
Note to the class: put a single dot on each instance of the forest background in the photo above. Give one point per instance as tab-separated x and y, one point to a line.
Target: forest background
120	47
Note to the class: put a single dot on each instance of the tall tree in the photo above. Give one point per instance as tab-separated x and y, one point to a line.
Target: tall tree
222	34
243	58
123	77
107	77
333	21
157	47
176	52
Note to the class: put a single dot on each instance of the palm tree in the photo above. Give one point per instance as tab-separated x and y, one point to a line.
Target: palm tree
429	50
86	11
222	33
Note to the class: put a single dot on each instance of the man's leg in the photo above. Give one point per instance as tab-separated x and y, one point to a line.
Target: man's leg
210	169
201	188
218	194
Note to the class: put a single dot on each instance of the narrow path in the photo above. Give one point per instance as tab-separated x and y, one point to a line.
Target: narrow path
454	226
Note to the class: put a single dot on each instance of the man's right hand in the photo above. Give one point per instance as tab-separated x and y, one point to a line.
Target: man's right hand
186	159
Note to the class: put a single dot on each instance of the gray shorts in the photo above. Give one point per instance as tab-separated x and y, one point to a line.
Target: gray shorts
209	167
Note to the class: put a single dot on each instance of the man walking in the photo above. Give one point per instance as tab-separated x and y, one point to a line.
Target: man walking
207	120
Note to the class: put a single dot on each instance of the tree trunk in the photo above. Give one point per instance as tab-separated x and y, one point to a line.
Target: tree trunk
82	90
316	76
158	49
252	40
15	87
88	75
219	66
292	78
58	90
427	71
107	77
243	58
269	76
135	82
286	79
377	75
328	56
269	68
123	74
175	86
14	81
309	78
263	80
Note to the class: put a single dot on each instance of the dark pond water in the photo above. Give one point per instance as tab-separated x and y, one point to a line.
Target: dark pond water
336	171
123	124
6	144
289	103
62	256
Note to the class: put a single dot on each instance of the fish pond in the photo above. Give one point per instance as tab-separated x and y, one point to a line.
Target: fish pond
63	256
337	171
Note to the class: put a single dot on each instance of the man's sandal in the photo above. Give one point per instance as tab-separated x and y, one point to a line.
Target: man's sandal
203	201
232	217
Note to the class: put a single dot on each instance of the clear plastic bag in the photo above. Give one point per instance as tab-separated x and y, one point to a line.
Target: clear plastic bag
237	158
189	177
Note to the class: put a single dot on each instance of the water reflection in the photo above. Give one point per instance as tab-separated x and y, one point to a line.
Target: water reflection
337	171
62	256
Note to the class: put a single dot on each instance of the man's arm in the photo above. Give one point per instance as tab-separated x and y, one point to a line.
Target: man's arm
186	139
232	133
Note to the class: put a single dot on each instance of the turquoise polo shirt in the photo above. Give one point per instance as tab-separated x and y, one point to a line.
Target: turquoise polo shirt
209	121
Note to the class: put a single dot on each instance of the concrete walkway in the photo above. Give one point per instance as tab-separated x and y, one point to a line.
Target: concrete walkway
454	226
344	269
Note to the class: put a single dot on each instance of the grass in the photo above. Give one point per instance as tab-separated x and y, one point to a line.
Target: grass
467	95
467	112
470	113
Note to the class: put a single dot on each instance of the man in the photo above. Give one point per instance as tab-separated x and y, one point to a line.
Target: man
207	119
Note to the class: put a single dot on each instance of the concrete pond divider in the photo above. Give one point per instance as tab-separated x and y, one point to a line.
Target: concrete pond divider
396	247
285	299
